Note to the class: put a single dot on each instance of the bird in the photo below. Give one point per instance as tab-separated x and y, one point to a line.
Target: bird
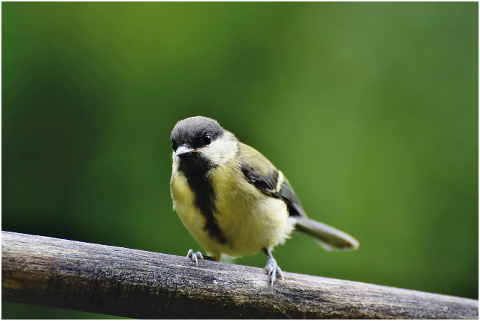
234	201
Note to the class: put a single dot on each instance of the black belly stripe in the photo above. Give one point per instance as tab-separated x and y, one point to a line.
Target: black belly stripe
205	200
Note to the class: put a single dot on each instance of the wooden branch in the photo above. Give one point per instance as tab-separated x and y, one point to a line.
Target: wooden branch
139	284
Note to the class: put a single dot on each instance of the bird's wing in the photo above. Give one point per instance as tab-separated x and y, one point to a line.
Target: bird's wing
260	172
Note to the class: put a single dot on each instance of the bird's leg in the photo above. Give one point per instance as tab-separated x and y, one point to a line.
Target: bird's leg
272	268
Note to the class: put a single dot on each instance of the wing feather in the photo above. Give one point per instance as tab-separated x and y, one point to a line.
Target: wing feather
260	172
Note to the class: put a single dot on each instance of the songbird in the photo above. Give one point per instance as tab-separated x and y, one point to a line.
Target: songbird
233	200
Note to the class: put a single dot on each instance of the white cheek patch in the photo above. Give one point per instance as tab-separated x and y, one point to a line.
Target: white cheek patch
174	163
222	149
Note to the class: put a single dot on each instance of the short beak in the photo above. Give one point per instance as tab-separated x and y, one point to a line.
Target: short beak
184	150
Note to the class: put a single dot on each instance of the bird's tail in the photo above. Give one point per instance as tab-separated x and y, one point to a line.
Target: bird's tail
328	237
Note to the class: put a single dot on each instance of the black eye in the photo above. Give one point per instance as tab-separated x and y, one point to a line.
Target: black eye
206	139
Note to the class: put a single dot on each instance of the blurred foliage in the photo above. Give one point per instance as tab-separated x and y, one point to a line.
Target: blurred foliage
369	108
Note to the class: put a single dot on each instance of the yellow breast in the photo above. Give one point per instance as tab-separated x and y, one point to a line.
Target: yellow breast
250	220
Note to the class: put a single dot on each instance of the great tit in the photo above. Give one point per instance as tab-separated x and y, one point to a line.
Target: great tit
233	200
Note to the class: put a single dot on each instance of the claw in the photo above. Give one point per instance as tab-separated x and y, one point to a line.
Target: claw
273	270
195	256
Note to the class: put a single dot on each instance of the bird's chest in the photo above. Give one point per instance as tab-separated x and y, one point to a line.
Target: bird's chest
243	221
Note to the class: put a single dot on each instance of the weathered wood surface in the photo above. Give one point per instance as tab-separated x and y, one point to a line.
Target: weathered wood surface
140	284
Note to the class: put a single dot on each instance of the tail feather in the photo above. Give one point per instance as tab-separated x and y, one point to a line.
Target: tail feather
327	236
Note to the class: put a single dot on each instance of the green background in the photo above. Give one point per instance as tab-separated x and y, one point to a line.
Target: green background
370	109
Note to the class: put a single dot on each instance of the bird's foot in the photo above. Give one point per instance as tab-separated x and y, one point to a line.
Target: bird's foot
273	270
195	256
